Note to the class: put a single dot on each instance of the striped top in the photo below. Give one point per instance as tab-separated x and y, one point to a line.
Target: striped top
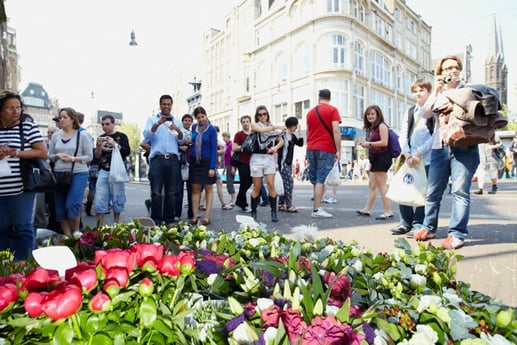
13	184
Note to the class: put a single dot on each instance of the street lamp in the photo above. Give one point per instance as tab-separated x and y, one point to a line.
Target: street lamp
133	39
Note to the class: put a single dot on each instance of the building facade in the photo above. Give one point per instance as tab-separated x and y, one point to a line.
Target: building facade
496	70
281	52
37	104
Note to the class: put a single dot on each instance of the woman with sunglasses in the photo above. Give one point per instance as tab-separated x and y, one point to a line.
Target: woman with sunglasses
263	162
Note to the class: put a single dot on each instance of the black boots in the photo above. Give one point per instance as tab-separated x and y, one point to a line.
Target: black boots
494	189
254	204
272	203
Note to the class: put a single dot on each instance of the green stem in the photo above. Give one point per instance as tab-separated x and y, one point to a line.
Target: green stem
77	329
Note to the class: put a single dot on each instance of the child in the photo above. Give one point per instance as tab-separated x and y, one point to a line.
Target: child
285	162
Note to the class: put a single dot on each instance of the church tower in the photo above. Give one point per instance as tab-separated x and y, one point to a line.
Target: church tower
496	70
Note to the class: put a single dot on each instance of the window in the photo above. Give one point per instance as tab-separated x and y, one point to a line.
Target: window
301	108
339	89
258	8
358	58
397	14
337	6
358	102
380	69
339	50
385	102
280	113
410	77
399	80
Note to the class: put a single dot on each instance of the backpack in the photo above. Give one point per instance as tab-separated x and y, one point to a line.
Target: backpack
393	143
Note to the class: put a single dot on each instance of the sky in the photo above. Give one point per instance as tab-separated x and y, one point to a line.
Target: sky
74	48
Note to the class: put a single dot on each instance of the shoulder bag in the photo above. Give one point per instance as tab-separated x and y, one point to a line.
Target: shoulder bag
64	178
36	173
326	127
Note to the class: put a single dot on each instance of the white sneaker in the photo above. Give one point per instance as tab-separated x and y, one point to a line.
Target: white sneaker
321	213
325	199
330	200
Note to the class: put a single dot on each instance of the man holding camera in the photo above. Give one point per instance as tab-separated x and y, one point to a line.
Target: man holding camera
106	191
163	132
456	162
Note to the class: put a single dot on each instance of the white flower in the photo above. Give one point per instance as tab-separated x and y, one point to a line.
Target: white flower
211	278
244	334
270	335
424	335
378	277
254	242
358	265
331	310
417	281
420	268
426	300
495	339
452	297
264	303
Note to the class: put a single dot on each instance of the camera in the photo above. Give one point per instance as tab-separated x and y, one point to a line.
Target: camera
447	79
169	118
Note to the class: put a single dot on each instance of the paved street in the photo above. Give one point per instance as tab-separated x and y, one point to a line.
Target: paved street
490	262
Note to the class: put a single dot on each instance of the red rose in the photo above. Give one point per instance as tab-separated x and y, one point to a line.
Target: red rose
39	279
81	266
33	303
89	238
87	279
117	258
8	296
148	253
100	302
169	265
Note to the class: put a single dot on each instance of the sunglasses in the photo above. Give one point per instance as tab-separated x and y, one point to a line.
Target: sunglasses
262	114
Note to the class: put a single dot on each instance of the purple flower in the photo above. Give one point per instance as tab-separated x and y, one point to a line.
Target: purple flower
369	333
208	267
233	323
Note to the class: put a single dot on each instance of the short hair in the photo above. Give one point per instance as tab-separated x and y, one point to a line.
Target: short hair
380	118
291	121
424	84
71	114
187	116
162	97
107	116
245	117
226	134
7	96
324	94
448	57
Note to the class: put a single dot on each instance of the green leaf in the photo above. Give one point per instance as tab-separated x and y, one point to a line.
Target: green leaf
163	328
63	335
101	339
389	328
148	311
343	314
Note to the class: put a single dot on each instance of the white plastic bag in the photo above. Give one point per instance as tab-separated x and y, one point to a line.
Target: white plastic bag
184	171
408	185
279	184
334	176
5	169
118	171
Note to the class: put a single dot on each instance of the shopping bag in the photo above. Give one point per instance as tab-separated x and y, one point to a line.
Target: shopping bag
5	169
279	184
408	185
118	171
334	176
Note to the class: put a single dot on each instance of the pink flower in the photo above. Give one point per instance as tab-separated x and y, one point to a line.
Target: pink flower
39	279
340	288
8	296
146	287
86	279
327	330
100	302
116	258
187	262
169	265
294	324
33	303
63	301
88	238
270	316
118	274
145	253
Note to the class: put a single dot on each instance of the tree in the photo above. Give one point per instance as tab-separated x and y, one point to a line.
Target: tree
133	134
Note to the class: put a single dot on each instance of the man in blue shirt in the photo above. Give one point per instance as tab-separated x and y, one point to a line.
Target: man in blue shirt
164	133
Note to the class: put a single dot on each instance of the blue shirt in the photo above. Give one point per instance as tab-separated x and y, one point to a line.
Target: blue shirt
163	141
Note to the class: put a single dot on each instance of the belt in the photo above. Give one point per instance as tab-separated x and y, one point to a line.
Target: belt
166	156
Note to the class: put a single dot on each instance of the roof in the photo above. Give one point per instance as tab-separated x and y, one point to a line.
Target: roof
35	95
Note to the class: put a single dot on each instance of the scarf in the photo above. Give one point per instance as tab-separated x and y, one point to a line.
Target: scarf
199	139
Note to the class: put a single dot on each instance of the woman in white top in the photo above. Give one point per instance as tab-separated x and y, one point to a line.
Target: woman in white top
262	161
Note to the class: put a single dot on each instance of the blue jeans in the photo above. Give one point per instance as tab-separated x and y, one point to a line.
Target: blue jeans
412	217
68	200
460	165
320	164
109	193
16	229
163	176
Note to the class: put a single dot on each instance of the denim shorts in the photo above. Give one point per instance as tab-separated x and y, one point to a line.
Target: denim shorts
320	164
262	164
107	193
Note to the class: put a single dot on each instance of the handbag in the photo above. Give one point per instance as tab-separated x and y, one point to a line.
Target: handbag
36	174
408	185
234	160
250	144
118	172
64	178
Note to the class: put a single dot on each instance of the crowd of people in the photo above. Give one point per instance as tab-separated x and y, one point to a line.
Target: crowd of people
185	154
